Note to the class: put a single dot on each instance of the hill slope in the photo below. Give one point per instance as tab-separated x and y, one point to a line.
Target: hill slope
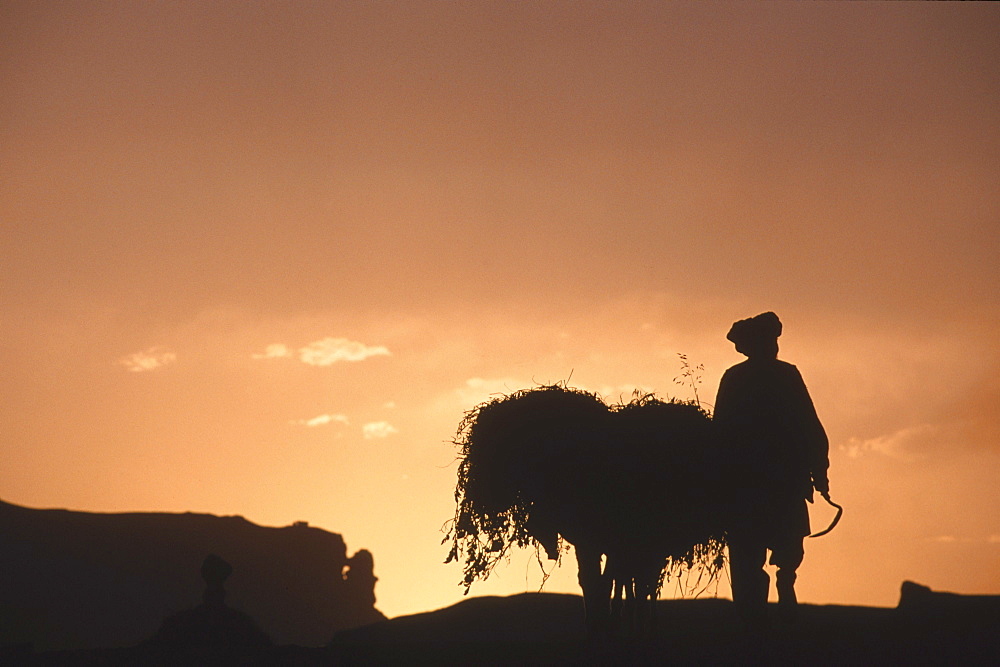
542	628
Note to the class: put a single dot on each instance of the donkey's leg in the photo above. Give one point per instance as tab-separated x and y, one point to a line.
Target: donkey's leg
647	585
596	587
612	570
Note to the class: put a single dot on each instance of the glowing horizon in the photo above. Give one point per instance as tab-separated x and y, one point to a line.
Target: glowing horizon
259	260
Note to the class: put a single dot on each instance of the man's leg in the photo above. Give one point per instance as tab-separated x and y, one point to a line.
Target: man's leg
787	556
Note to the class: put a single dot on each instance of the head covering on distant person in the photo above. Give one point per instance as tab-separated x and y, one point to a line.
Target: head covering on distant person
765	326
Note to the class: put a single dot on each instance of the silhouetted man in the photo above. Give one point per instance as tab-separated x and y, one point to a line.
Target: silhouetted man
777	453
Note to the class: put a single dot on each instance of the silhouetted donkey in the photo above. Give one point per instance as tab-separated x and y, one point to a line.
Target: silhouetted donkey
630	486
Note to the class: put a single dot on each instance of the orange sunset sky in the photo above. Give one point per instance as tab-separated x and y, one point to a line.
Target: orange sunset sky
259	257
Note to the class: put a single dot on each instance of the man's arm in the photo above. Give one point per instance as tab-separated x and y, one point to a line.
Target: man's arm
816	443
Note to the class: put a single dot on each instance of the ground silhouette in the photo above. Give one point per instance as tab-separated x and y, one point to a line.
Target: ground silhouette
928	628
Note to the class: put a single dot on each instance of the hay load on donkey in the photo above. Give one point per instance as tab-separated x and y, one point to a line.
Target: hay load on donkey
523	461
554	462
669	507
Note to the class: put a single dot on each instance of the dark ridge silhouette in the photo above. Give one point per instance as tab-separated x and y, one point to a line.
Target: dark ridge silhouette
76	580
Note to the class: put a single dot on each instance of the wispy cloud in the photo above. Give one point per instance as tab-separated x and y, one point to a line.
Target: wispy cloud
322	420
274	351
324	352
148	360
327	351
375	430
953	539
902	444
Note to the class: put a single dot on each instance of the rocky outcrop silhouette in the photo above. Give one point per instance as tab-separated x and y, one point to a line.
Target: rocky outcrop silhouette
919	600
940	617
78	580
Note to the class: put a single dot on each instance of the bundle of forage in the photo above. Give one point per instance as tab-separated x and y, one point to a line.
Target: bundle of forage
639	479
519	456
669	500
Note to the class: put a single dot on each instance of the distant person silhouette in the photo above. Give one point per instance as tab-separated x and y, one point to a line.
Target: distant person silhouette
215	571
776	451
212	630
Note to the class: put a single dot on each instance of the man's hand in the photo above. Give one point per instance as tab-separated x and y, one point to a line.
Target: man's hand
822	484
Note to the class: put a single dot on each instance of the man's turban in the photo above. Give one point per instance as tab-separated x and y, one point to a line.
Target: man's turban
765	326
